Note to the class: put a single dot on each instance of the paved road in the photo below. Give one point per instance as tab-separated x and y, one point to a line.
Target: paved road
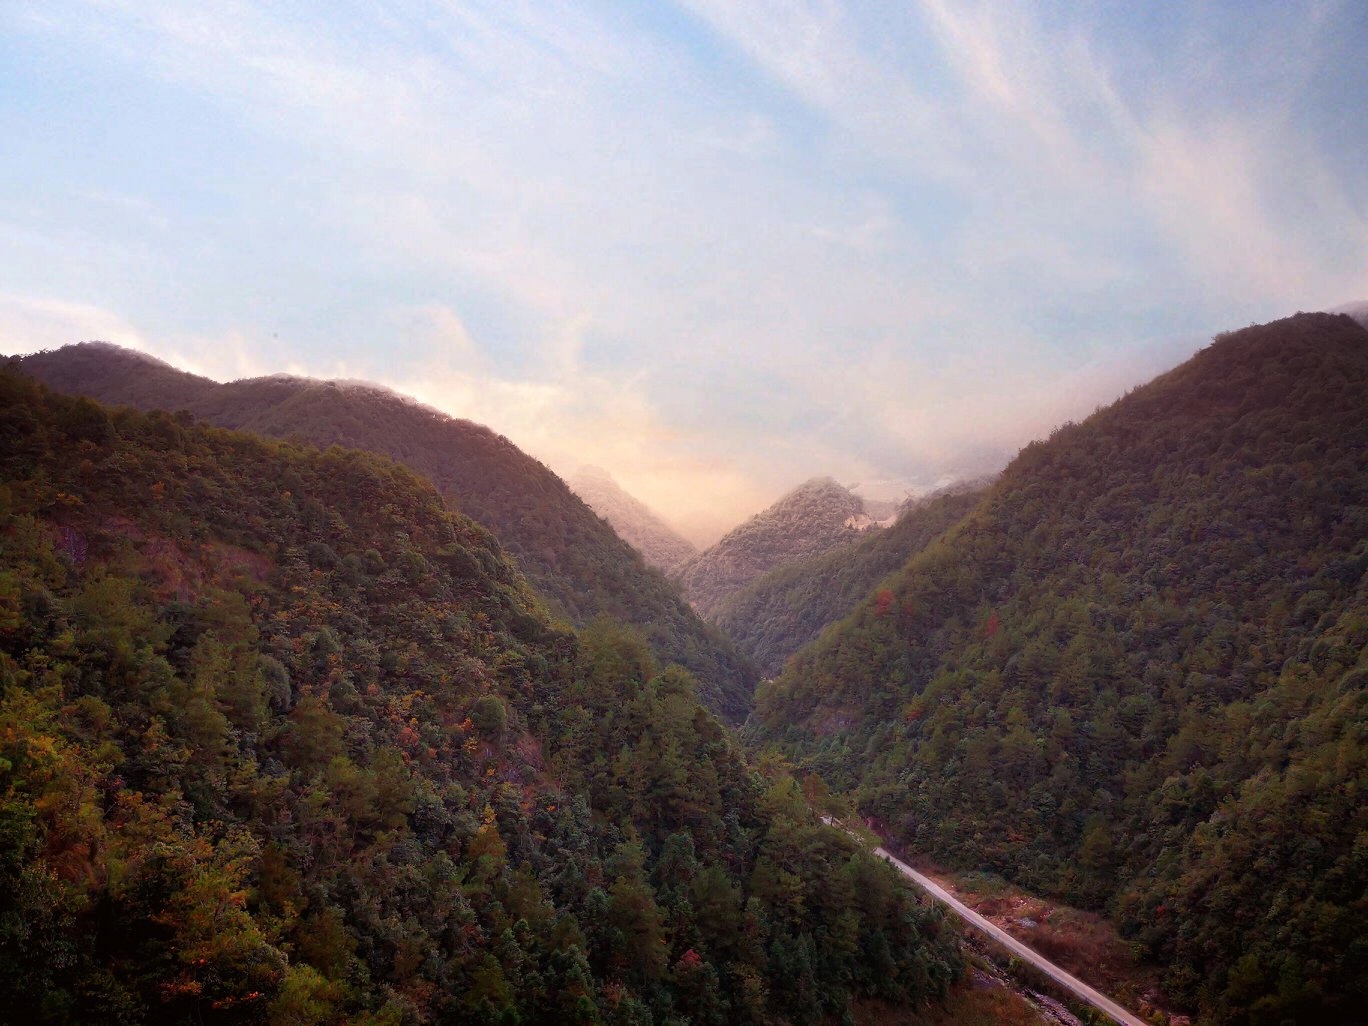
1071	983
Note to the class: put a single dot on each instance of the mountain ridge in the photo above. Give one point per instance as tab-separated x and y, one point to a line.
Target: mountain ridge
286	740
636	523
817	515
569	554
1134	675
778	613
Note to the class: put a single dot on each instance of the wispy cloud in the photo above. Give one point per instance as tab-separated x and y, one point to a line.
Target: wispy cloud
1213	174
32	323
715	247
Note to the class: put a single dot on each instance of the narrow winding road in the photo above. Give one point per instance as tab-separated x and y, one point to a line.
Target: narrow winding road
1069	982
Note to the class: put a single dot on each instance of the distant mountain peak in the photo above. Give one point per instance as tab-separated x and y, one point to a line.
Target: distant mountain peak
815	516
822	483
105	349
635	522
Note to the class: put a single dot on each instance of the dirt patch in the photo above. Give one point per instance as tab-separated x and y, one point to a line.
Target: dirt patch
231	562
184	572
827	721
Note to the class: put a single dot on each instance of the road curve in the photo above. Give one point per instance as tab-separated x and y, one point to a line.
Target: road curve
1069	982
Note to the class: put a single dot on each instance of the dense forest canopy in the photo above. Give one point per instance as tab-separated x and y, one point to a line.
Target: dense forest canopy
774	616
568	554
1137	676
816	516
283	740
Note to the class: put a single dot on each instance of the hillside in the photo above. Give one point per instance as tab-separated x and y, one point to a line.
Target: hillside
659	544
777	614
284	741
111	374
814	517
1135	676
570	556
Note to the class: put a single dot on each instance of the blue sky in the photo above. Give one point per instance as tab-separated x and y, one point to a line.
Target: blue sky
716	248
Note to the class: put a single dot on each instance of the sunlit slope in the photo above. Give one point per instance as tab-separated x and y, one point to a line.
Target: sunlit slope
659	544
569	554
816	516
283	740
1136	675
777	614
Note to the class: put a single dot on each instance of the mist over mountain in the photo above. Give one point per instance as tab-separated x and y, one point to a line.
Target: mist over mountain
567	552
1357	310
965	486
817	515
880	509
1134	676
659	544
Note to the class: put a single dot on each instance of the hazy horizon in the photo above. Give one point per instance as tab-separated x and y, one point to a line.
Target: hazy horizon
715	249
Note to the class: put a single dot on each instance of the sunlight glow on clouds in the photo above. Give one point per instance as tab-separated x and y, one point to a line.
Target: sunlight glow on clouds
714	247
35	323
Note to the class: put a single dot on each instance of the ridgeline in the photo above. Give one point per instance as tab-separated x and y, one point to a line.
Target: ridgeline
1136	676
568	553
284	740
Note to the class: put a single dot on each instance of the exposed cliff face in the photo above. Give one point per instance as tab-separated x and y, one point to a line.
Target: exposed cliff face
659	544
815	517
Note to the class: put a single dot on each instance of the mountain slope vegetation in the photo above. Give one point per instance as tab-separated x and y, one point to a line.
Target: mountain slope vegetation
117	376
285	741
568	554
659	544
777	614
816	516
1137	676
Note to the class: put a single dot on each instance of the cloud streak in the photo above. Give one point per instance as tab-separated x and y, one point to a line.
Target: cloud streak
714	247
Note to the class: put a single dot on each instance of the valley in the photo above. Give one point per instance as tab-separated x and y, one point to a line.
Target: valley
444	745
1025	952
1081	943
486	487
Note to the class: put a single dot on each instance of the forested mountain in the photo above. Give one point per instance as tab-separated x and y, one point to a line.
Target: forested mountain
1137	676
111	374
571	556
814	517
777	614
284	741
659	544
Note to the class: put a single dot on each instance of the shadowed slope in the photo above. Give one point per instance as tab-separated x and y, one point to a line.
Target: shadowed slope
777	614
1135	675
